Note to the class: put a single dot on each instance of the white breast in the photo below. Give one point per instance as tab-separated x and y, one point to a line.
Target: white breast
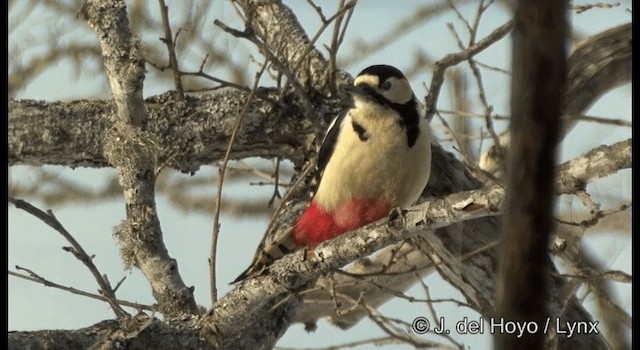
383	166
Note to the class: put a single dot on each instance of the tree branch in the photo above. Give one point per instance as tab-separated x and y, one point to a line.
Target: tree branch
140	332
455	58
77	251
33	277
188	133
597	65
130	148
272	21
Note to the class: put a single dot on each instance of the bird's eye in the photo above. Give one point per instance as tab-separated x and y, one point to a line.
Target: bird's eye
386	85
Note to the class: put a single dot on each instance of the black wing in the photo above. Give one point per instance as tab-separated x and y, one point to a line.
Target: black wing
329	143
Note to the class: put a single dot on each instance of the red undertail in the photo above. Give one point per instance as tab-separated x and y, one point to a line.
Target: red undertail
317	225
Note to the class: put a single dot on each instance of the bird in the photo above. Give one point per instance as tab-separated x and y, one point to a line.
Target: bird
375	156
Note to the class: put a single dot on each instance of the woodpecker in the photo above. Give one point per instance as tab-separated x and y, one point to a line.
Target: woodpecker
375	156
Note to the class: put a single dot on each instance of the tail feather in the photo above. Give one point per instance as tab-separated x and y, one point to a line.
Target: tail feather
271	252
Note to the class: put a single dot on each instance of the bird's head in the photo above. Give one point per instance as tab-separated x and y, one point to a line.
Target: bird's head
383	84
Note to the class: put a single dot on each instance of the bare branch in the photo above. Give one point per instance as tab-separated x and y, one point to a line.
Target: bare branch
272	21
596	66
593	165
454	59
587	7
222	170
186	131
139	332
586	270
33	277
77	250
171	46
405	25
131	148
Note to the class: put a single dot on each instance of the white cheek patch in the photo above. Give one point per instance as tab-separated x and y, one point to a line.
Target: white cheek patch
400	92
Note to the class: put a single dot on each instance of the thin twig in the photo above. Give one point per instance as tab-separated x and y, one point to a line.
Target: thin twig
467	161
488	109
454	59
401	295
583	8
493	68
265	49
387	324
599	120
34	277
223	83
311	165
596	214
418	17
276	187
373	341
171	46
216	218
582	117
611	275
333	50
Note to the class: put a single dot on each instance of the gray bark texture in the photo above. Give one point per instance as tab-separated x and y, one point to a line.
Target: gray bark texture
456	225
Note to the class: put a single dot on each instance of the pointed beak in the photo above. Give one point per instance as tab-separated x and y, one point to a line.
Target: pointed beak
358	90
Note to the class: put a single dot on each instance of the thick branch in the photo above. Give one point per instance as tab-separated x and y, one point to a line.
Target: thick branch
130	148
595	164
121	55
599	64
188	132
137	333
272	22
